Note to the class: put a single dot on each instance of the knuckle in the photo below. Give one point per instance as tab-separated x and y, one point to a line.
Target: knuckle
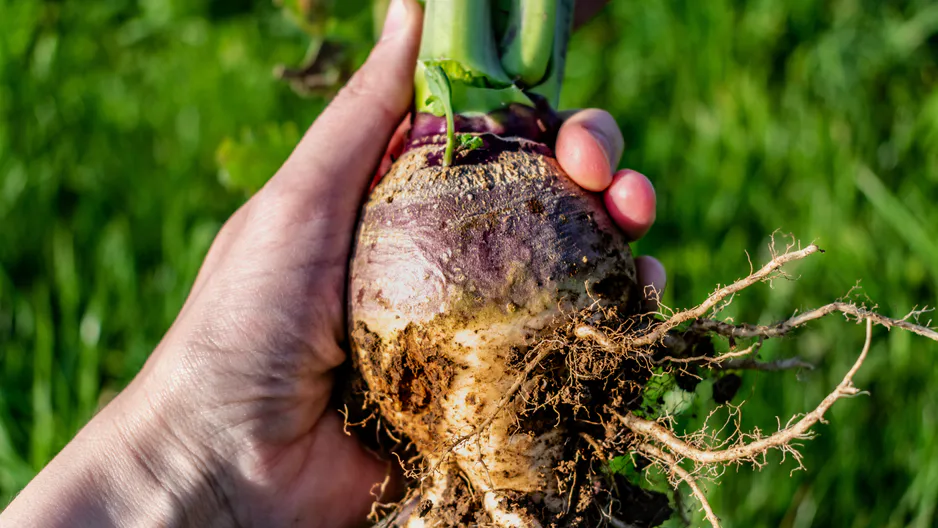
364	92
372	89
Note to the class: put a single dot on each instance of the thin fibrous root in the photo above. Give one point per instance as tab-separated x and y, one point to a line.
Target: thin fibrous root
591	333
664	436
663	447
780	329
766	272
714	361
638	345
681	475
768	366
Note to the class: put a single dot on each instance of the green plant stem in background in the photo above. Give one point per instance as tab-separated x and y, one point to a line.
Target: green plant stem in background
379	11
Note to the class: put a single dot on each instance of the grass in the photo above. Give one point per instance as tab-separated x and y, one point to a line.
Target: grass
817	118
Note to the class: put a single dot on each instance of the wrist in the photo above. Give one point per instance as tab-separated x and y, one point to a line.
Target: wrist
159	474
161	464
125	469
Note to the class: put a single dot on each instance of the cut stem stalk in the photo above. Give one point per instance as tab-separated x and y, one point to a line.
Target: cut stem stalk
528	42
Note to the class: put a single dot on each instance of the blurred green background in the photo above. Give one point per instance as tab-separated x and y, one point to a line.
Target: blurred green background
130	129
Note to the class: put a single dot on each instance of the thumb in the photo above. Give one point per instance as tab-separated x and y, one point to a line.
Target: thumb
336	159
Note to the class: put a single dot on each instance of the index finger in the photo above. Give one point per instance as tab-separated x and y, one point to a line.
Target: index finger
589	146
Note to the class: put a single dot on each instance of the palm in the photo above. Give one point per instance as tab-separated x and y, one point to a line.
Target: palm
322	478
270	315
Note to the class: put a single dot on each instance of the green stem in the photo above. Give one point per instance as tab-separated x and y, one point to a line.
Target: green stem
462	72
550	86
441	101
528	42
458	36
450	139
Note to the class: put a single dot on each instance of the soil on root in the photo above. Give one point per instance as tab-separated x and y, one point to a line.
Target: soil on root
415	377
575	387
594	502
458	507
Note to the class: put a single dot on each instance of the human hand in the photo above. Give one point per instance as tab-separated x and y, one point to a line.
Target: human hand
228	423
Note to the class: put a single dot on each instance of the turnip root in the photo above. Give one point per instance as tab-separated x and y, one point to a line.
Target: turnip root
457	270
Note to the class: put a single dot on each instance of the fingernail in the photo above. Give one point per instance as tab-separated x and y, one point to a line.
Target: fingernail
394	22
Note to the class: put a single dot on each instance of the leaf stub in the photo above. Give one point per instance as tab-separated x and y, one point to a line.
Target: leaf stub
456	72
441	99
469	142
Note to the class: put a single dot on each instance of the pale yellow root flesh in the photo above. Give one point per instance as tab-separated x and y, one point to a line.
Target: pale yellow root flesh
503	515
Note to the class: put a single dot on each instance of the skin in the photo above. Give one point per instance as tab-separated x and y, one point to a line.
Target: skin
228	423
